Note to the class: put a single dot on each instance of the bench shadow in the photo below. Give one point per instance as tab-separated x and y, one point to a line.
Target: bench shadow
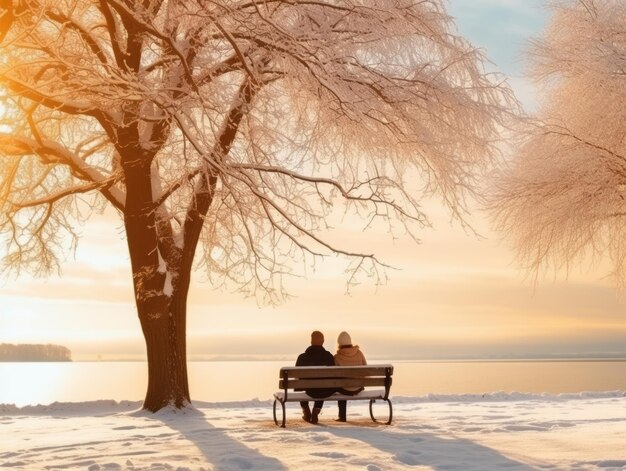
427	449
221	451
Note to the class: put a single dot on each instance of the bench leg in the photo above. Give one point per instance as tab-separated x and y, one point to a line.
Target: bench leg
372	401
274	411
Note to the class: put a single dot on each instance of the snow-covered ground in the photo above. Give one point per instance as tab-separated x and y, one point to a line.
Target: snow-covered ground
468	432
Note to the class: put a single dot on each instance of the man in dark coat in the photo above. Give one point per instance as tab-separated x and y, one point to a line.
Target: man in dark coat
315	355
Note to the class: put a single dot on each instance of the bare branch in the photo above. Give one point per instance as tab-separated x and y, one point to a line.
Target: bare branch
53	152
38	96
91	41
54	197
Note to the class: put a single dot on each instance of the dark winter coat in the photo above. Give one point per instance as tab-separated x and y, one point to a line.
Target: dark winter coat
316	355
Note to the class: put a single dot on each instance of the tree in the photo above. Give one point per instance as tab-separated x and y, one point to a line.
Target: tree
36	352
563	196
234	127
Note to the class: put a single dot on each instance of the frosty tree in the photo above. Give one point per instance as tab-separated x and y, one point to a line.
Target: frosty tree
564	196
231	129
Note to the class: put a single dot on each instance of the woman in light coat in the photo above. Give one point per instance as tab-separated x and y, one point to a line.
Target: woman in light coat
347	355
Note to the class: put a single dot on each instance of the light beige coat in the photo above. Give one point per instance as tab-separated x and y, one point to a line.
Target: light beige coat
350	356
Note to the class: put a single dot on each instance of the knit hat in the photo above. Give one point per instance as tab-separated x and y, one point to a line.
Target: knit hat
317	338
344	339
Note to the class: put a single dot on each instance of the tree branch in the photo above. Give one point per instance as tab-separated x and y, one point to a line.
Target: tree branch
53	152
91	41
114	33
70	107
54	197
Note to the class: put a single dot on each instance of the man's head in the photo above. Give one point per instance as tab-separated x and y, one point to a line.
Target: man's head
317	338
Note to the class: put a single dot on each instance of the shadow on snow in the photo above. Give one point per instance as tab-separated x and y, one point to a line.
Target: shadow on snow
426	449
220	450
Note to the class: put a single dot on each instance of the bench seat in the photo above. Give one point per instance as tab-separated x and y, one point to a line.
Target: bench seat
302	396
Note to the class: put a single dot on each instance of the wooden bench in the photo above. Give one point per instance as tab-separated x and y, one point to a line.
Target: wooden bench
351	377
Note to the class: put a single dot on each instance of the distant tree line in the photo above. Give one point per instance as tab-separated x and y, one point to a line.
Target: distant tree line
34	352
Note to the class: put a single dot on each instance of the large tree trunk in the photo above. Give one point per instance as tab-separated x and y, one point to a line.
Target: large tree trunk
161	285
166	349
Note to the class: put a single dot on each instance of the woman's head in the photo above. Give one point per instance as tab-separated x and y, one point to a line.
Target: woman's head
344	339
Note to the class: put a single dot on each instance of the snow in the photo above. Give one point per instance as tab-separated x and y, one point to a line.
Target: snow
582	431
168	289
162	265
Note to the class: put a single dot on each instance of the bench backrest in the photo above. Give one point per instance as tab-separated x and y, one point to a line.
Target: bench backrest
351	377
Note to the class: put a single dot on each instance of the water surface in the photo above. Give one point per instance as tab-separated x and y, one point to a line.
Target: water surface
218	381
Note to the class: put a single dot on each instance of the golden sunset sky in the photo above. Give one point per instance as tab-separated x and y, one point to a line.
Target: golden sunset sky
454	295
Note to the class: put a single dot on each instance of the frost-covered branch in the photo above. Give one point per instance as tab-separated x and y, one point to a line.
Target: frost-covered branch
242	126
563	197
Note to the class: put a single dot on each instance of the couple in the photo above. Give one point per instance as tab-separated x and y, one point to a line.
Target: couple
316	355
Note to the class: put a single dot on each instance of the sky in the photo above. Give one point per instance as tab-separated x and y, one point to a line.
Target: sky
455	295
